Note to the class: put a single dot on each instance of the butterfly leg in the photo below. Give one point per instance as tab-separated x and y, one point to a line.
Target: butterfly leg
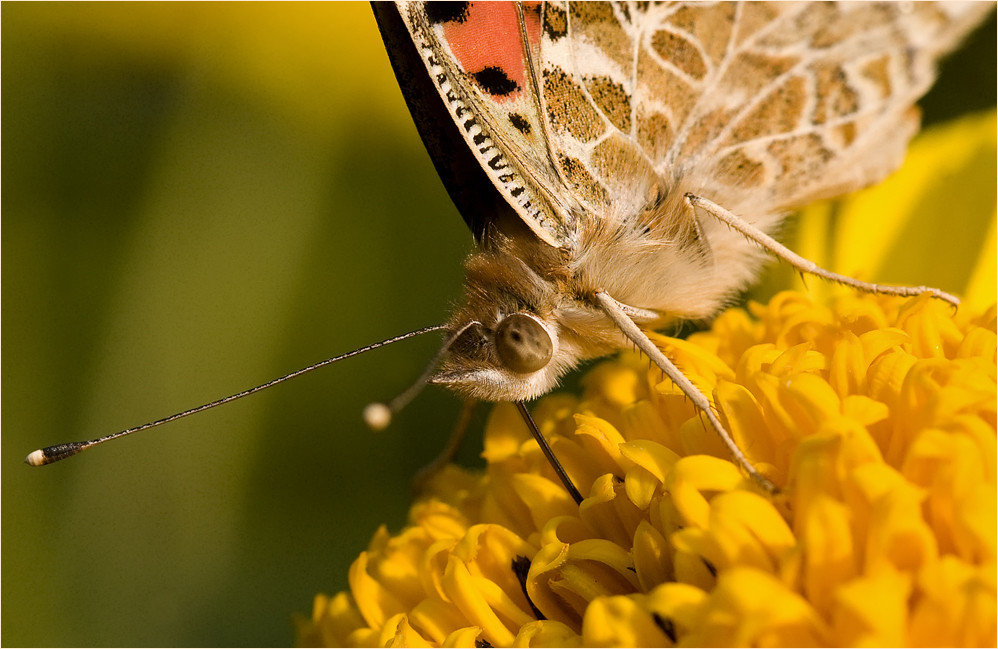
619	314
804	265
425	474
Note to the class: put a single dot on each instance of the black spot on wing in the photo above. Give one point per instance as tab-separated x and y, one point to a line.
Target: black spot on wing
627	12
494	81
555	22
532	9
497	162
520	123
446	12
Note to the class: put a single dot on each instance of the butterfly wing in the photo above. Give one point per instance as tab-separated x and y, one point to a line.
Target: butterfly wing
476	198
762	106
591	109
477	56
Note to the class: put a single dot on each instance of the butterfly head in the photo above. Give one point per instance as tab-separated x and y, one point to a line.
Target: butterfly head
507	341
505	362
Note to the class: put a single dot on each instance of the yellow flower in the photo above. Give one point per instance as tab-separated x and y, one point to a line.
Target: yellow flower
875	415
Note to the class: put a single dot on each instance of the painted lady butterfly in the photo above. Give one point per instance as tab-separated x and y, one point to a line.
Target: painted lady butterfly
636	156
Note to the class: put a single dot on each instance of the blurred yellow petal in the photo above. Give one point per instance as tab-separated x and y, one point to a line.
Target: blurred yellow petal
956	607
872	611
825	529
436	619
620	622
981	287
333	621
898	231
679	606
752	608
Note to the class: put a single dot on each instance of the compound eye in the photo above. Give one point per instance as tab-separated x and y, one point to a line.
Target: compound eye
522	344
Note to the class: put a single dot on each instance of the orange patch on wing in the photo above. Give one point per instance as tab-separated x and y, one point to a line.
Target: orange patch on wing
490	38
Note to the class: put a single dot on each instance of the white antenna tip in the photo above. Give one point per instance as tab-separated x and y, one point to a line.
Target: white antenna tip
35	458
377	416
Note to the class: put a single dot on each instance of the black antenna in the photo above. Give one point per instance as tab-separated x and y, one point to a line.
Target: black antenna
58	452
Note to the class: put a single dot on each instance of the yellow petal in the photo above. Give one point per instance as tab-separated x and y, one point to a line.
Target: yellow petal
464	591
897	535
796	360
681	607
957	606
746	422
981	287
810	401
504	433
643	421
830	557
546	499
749	530
641	486
617	385
375	603
620	622
877	341
603	439
544	570
693	475
864	410
546	633
847	368
872	610
397	632
753	608
651	456
609	513
489	552
465	637
652	557
692	569
436	619
335	619
564	529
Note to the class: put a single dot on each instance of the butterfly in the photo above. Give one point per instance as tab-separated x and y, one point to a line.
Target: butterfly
625	166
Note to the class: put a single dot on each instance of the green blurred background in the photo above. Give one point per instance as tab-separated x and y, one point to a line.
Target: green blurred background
198	198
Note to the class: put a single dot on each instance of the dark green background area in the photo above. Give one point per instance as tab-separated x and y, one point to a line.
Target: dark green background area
172	234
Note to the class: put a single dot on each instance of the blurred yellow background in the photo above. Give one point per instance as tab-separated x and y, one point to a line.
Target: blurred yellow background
197	198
